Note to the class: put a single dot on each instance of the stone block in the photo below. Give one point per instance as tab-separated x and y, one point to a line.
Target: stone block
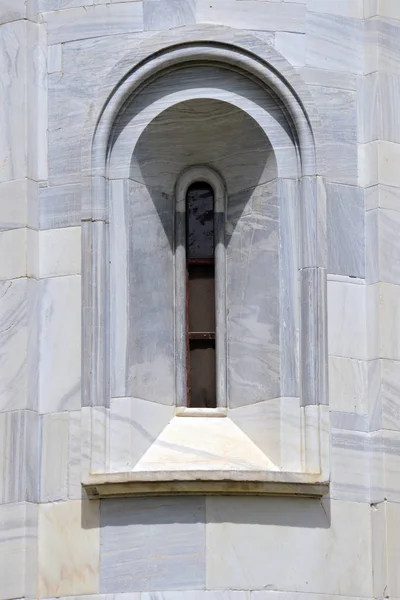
152	544
270	16
334	42
347	336
60	252
60	343
93	21
338	113
17	324
346	230
134	426
54	463
344	8
350	466
292	46
389	296
60	206
390	395
54	58
388	247
19	462
18	204
68	551
13	117
18	542
242	532
348	385
165	14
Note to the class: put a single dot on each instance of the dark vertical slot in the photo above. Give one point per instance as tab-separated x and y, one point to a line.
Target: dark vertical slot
200	251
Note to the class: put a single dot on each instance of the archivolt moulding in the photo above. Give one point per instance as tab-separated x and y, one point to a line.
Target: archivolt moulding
242	53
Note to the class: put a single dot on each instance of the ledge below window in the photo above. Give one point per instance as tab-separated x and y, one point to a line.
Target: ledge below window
112	485
205	455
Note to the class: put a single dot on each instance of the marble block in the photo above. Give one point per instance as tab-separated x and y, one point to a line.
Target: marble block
152	544
19	459
54	58
165	14
18	548
388	160
334	42
345	8
253	15
390	395
60	252
347	336
351	454
18	204
92	21
242	533
346	230
392	548
60	343
134	426
13	117
253	291
14	316
389	298
68	548
60	206
142	330
388	246
204	444
292	46
54	460
348	385
338	113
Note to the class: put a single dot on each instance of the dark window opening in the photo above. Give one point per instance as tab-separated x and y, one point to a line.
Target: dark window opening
200	297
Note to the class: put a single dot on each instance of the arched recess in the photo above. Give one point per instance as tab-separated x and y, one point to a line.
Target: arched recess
254	79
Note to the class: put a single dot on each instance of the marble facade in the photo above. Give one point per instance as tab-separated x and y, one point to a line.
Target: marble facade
291	489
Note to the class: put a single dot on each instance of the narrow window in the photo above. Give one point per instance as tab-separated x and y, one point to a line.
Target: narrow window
200	299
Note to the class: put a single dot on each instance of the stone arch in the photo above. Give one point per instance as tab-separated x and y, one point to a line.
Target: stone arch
261	66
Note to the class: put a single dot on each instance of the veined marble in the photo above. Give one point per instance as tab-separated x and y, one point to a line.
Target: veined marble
104	104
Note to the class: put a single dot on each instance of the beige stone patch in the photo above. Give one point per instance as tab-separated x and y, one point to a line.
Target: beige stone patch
69	542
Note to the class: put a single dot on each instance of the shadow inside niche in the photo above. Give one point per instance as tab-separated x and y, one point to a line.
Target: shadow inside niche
202	132
252	510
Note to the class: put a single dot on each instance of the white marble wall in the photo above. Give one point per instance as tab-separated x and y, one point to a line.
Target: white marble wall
54	55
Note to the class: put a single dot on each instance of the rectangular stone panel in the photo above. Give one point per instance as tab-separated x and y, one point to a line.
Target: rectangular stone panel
142	293
346	230
253	296
152	544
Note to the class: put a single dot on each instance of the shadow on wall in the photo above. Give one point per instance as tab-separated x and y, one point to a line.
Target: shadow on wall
202	132
280	511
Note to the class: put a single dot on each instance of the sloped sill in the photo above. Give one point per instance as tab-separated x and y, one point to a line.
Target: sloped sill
166	483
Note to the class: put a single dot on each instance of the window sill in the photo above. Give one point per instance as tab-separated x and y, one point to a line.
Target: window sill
205	455
113	485
184	411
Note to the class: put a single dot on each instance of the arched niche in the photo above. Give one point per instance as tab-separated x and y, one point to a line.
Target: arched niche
226	108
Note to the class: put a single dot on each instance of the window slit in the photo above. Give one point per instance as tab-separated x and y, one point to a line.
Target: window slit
200	296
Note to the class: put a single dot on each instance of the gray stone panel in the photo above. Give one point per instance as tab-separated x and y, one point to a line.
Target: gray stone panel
60	206
334	43
389	45
92	21
152	544
253	296
142	298
19	460
200	131
346	230
165	14
338	112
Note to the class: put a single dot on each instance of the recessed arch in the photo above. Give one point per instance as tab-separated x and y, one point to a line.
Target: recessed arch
239	53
